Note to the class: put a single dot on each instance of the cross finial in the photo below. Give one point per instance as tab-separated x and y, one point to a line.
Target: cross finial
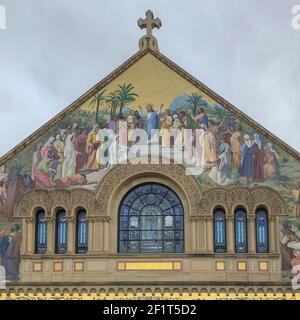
149	23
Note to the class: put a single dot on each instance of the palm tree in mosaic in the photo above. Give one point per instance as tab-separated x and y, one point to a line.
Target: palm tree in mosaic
220	114
112	103
196	101
97	100
124	95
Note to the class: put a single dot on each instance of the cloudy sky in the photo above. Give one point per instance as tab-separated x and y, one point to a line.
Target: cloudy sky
53	51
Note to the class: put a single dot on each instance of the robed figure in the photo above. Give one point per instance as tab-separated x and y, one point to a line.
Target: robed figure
152	120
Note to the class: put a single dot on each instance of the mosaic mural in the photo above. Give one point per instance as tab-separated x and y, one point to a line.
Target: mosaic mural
67	156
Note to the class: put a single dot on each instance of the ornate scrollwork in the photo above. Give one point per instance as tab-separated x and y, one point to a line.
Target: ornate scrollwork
120	174
250	198
51	199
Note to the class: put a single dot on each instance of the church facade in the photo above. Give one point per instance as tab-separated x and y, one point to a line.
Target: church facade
150	186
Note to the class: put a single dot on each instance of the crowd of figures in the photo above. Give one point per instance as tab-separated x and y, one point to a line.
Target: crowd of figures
66	158
219	147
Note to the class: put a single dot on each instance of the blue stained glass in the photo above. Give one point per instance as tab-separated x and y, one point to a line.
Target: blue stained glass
150	223
219	231
82	232
240	231
262	239
61	239
41	233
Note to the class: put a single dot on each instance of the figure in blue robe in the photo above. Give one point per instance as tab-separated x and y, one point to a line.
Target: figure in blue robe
247	162
153	121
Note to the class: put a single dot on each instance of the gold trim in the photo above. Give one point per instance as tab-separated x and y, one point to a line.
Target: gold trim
149	266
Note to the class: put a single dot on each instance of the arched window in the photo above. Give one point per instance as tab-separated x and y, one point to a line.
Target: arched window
40	232
240	225
220	230
151	220
61	234
81	232
262	238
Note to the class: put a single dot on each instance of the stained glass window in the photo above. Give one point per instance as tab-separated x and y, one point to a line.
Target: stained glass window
81	232
61	236
262	239
151	220
41	232
240	222
220	230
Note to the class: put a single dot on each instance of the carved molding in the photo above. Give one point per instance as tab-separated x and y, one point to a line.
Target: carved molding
49	200
249	198
122	173
80	291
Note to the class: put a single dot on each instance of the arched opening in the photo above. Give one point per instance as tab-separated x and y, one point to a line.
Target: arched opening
151	220
240	227
40	232
81	231
61	232
219	230
262	230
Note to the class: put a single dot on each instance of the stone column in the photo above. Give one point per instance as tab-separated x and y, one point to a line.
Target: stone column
230	234
90	234
251	234
71	235
193	234
100	231
98	235
209	234
201	235
30	239
272	234
50	235
106	235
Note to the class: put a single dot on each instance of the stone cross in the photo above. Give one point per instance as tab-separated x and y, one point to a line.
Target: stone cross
149	23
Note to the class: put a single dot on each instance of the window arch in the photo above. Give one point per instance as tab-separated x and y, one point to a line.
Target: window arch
40	232
81	231
262	237
219	230
61	234
240	226
151	220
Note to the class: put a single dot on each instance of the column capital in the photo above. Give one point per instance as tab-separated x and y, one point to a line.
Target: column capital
230	218
98	218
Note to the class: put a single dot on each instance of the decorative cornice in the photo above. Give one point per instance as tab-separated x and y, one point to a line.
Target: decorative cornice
173	288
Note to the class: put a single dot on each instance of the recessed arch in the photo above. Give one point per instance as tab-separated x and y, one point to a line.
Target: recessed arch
151	220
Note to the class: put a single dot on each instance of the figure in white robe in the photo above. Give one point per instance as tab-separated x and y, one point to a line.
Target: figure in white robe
221	172
69	164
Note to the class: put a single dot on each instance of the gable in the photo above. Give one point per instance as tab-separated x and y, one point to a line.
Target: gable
153	79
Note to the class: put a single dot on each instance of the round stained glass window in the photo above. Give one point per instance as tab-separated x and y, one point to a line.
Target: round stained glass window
151	220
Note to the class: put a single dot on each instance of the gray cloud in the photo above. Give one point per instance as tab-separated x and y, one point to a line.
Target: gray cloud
52	52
